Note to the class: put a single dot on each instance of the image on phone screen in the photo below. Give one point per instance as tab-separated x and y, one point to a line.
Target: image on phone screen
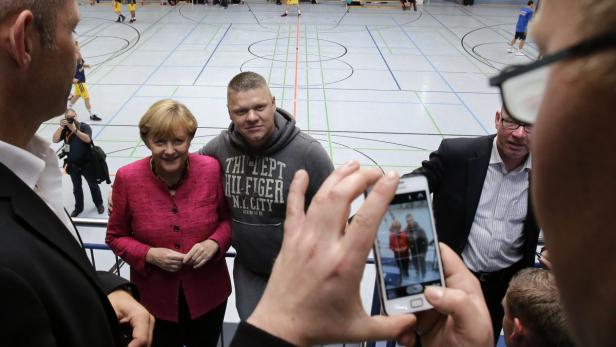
407	248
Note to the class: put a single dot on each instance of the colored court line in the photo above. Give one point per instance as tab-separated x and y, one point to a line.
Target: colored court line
269	76
329	136
297	26
442	77
286	65
213	52
429	115
384	42
383	57
307	68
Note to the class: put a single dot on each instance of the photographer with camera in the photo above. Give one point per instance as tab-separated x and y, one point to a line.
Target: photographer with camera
77	137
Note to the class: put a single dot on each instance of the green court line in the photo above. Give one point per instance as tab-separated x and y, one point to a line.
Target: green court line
269	76
211	38
175	91
286	64
329	136
306	67
429	114
384	41
132	153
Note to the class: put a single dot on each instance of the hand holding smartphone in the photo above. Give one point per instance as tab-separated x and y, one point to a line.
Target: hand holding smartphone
406	249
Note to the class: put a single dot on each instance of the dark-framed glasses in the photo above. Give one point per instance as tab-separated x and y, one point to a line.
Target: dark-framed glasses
512	125
522	86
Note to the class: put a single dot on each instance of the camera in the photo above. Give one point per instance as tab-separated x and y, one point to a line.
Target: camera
70	120
62	155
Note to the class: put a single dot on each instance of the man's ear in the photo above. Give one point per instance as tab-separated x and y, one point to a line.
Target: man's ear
20	44
519	330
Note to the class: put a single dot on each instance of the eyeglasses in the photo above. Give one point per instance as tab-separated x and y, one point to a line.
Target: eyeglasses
522	86
513	125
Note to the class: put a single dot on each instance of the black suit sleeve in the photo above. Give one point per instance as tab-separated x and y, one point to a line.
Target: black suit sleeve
111	282
23	318
248	335
434	168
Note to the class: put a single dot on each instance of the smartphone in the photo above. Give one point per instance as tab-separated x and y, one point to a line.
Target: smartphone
406	249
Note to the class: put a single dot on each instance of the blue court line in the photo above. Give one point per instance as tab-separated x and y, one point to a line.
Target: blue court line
213	52
441	75
149	76
382	56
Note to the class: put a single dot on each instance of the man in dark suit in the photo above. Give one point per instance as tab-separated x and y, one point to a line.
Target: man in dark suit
51	295
482	205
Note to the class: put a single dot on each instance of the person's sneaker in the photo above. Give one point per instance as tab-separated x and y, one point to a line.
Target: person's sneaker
119	19
76	213
510	49
278	2
95	117
519	53
100	209
123	18
284	14
314	2
299	13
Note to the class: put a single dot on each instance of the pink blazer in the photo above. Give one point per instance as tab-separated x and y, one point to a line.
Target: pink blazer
145	215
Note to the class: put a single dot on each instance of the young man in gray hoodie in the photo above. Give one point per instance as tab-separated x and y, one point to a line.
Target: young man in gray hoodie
259	154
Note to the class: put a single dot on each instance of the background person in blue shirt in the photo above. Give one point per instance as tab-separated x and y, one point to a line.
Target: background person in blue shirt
521	28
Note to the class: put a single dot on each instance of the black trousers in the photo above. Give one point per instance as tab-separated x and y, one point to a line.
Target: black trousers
494	286
76	172
203	331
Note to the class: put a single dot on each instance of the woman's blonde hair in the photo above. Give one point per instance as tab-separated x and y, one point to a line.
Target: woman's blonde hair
165	118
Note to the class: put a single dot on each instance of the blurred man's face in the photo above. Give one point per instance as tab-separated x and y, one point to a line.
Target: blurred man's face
574	185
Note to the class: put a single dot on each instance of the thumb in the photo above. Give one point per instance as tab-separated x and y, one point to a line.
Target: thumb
453	302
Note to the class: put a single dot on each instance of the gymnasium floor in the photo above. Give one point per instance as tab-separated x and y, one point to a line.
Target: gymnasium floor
376	84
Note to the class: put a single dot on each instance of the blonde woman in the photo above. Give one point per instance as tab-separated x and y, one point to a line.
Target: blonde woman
170	223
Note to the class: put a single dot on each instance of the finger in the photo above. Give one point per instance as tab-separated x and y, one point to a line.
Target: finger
337	175
192	255
379	328
200	263
295	203
141	330
331	209
362	231
466	313
176	256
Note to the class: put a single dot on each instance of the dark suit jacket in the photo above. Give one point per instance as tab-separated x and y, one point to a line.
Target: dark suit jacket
50	293
455	174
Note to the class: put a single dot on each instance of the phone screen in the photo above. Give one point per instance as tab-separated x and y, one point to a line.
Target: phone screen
407	249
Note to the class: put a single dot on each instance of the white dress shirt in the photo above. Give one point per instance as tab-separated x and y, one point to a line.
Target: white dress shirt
495	240
37	166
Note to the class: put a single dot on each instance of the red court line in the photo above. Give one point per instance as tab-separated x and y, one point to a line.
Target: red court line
296	65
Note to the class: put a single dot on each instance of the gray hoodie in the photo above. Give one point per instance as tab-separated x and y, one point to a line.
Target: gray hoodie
256	185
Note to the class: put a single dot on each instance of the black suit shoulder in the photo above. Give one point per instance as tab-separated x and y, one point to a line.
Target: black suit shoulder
46	275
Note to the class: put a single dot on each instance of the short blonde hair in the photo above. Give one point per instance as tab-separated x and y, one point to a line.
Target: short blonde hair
164	118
